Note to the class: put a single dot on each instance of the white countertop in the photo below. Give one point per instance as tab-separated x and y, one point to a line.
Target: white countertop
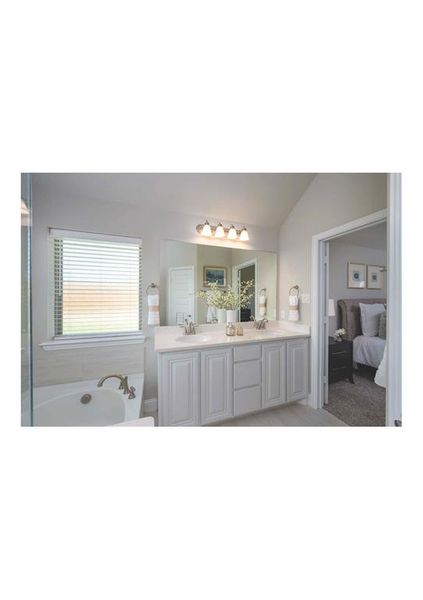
171	338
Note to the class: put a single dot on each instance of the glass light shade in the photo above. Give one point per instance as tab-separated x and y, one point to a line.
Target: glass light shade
232	234
244	237
220	232
206	229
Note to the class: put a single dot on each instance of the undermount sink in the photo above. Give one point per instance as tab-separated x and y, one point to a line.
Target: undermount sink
217	337
197	337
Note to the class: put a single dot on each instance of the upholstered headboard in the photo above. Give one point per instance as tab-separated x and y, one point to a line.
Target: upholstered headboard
350	314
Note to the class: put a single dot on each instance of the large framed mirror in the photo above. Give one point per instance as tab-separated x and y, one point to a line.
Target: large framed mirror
195	281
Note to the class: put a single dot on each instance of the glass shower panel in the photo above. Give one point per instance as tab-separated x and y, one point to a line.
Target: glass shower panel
26	354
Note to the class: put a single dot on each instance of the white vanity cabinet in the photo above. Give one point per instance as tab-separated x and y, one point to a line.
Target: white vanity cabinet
179	388
216	385
204	386
274	374
297	369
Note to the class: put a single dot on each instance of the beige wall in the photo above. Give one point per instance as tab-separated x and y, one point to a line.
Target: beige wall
71	209
266	276
211	257
182	254
330	200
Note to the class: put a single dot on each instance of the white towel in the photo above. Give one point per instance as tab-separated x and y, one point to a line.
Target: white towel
293	300
211	314
293	313
153	309
262	306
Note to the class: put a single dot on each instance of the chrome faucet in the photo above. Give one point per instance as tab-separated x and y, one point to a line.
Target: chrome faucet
260	324
127	390
189	326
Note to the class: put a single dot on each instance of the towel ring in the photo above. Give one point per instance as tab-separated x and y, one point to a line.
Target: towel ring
297	290
152	286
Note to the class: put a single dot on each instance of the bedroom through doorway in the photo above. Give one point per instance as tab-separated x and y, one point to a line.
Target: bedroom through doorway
356	326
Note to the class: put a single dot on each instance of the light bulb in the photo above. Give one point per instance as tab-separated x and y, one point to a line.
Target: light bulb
220	232
232	234
206	229
244	237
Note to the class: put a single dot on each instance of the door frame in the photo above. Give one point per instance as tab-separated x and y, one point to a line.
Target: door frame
319	366
235	274
192	268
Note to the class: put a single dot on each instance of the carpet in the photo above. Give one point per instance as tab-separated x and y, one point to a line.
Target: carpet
361	404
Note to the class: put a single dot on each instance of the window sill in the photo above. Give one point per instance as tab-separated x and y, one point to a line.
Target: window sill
92	342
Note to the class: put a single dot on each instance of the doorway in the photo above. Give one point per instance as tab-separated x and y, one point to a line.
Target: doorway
356	342
242	273
181	288
320	306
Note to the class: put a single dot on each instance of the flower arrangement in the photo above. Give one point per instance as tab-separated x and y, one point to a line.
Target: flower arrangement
231	298
214	295
338	334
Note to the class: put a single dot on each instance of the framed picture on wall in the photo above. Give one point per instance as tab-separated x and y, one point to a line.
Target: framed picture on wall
215	274
356	276
374	277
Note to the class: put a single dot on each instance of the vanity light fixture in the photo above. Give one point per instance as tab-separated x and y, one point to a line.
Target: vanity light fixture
206	230
220	232
243	236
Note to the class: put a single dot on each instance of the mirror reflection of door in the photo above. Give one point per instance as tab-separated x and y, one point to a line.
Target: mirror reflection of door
247	273
181	292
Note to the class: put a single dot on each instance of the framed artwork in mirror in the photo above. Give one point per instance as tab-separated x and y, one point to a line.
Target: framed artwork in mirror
356	276
374	277
215	274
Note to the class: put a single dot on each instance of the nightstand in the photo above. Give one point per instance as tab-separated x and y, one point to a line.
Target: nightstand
340	360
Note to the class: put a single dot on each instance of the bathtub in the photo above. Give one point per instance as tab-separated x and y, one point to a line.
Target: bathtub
60	405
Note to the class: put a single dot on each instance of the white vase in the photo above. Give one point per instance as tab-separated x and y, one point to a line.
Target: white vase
231	316
221	315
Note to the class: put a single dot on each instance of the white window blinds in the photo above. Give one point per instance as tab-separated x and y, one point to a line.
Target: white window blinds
96	284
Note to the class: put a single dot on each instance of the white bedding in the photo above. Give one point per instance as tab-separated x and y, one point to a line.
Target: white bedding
380	377
368	350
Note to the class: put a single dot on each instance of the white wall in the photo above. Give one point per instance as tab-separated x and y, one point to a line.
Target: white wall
339	256
330	200
74	210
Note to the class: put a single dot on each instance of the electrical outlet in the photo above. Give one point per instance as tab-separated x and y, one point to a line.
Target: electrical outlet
305	298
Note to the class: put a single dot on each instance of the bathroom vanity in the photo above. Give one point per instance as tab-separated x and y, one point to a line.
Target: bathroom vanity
208	377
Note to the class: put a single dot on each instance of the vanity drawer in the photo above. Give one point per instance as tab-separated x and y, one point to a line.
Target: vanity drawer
247	352
247	374
247	400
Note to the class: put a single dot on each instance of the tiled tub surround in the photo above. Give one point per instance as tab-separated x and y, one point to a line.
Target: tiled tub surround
210	377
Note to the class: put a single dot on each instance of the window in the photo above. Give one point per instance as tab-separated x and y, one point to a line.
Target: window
96	285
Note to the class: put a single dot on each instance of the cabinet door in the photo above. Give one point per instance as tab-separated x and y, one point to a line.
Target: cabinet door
179	389
274	374
297	369
216	385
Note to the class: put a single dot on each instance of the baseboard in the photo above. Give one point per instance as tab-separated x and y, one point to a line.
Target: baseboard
150	405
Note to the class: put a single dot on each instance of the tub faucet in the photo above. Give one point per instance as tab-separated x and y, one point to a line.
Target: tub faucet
260	324
129	391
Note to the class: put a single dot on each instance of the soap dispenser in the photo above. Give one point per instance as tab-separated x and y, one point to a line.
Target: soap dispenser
230	329
239	329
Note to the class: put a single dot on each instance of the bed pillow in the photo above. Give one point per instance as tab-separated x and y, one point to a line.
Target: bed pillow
370	315
382	326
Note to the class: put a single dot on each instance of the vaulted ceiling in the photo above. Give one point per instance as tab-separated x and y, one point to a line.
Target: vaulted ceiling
251	198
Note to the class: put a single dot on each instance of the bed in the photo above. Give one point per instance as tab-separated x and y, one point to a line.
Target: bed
366	350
